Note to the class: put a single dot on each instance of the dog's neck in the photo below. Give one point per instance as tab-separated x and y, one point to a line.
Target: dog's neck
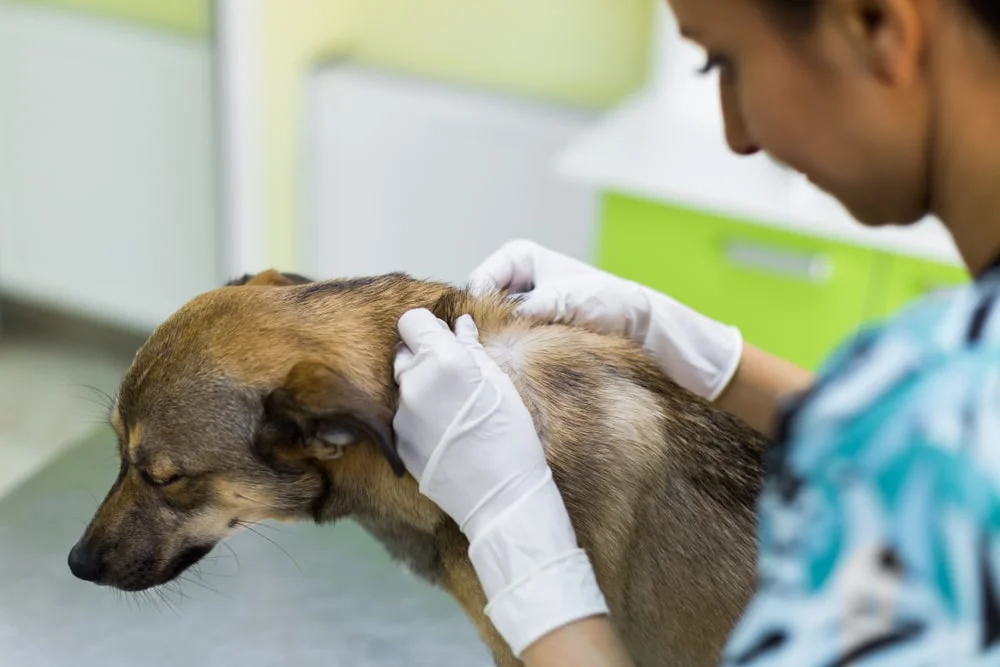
354	323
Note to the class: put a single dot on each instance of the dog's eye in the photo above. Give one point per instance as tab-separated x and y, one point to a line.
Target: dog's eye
167	481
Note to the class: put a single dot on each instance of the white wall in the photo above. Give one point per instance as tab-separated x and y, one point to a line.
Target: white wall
107	166
407	175
686	96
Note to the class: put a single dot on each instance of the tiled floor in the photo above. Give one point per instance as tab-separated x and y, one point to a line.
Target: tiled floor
51	395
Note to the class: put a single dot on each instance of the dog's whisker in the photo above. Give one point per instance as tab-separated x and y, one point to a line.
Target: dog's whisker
262	503
108	398
235	556
261	524
281	548
153	600
166	600
100	398
202	574
200	584
215	576
215	556
147	596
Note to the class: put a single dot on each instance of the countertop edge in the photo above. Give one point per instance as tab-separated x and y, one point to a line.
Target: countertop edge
627	152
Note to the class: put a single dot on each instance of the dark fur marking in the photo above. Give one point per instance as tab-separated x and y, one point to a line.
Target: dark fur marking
569	380
728	469
455	303
322	499
295	279
448	307
347	285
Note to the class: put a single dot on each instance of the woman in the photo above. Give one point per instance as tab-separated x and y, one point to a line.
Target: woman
880	510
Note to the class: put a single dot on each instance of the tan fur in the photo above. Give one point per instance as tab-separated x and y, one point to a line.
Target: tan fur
659	484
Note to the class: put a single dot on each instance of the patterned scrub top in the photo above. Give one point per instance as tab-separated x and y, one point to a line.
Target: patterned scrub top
879	522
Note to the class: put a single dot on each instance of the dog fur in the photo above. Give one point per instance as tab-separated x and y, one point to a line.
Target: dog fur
272	398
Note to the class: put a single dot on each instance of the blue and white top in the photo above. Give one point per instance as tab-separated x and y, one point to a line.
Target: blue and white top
880	517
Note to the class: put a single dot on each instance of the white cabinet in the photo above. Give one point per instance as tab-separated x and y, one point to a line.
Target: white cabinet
408	175
107	166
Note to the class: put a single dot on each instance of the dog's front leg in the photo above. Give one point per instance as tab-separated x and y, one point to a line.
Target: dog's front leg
461	582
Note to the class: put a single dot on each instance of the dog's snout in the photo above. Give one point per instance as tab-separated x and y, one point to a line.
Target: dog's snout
85	564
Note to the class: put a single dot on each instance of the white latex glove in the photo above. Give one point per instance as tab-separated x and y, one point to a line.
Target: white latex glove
465	434
695	351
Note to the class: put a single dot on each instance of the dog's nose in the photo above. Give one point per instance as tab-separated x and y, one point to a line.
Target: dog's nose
84	564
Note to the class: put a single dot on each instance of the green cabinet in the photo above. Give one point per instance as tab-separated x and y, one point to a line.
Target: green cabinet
794	295
906	279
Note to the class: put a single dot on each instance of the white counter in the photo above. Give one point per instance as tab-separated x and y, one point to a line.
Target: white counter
641	150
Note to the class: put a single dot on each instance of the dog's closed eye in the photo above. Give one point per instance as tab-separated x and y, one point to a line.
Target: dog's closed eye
163	481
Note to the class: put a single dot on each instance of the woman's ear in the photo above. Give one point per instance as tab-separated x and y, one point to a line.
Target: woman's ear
888	35
317	413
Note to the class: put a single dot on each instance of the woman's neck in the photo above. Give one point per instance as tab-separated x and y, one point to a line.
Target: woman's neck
965	188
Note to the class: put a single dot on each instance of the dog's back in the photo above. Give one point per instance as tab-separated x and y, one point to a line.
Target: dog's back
660	485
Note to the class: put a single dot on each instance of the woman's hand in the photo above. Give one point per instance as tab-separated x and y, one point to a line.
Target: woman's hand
695	351
706	357
467	437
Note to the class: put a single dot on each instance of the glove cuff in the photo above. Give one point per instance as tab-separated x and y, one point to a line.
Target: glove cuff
697	352
563	592
535	576
728	363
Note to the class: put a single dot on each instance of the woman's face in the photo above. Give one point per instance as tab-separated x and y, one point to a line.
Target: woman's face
842	101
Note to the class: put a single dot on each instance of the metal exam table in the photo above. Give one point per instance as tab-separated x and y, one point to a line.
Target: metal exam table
334	600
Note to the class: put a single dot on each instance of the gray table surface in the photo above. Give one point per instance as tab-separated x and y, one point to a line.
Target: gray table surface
335	599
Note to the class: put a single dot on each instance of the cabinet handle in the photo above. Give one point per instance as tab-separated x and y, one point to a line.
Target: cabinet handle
811	267
929	288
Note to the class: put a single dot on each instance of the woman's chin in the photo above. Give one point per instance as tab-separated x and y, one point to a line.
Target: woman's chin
880	214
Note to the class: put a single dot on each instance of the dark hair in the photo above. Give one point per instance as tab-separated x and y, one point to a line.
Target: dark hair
802	12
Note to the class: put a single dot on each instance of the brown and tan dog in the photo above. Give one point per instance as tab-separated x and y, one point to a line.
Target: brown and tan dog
273	398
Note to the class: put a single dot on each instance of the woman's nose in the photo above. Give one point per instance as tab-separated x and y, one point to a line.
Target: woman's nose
737	136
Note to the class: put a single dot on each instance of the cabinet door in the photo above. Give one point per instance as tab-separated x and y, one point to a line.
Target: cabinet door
107	166
791	295
417	176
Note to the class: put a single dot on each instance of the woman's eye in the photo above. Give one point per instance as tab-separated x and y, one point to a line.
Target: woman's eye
712	63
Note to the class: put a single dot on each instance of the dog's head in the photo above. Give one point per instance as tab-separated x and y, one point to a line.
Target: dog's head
250	403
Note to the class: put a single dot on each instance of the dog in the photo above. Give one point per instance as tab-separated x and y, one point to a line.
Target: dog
272	398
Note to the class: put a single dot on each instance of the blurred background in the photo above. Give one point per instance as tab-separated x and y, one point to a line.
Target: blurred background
152	149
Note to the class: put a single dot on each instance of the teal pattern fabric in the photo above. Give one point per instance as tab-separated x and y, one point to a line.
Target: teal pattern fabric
880	516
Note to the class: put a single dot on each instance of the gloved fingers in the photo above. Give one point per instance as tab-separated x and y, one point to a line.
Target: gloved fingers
420	329
414	458
545	303
510	268
404	361
468	334
481	283
466	330
443	359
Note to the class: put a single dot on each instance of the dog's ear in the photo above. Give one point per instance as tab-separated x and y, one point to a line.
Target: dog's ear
270	277
318	412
